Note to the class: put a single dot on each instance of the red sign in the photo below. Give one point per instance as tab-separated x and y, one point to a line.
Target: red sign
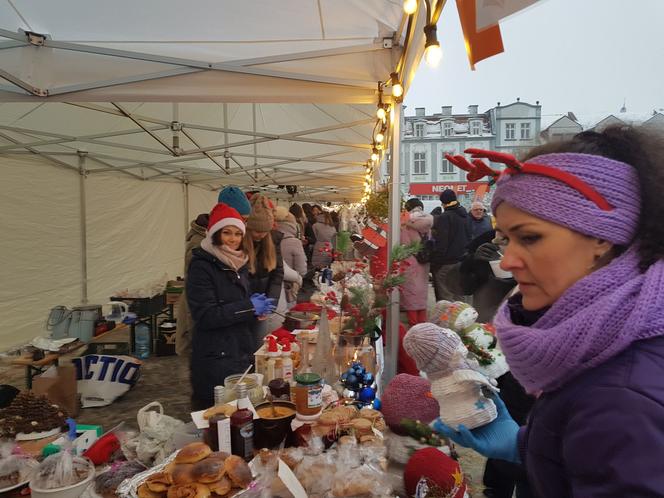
437	188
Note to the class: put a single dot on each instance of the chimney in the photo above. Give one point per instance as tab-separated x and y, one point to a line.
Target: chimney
446	110
420	111
518	99
472	109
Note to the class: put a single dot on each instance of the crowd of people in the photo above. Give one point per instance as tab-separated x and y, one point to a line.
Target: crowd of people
569	271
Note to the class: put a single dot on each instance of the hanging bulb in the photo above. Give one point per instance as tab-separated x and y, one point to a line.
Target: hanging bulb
380	146
397	87
380	137
432	51
374	154
381	113
409	6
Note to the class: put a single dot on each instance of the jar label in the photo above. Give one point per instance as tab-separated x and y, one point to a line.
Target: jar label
315	397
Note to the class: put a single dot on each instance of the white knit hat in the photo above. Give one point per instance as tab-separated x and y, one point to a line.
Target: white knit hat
436	351
455	315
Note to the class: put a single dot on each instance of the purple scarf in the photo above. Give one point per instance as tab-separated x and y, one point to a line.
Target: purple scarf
594	320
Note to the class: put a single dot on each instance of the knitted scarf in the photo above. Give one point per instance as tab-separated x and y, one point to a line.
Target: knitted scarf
231	258
597	318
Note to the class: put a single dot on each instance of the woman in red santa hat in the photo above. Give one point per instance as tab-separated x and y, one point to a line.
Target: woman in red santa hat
222	305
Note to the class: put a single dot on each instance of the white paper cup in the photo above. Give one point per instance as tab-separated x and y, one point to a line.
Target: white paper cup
498	272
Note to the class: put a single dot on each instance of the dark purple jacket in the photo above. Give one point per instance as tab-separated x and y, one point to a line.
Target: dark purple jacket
602	434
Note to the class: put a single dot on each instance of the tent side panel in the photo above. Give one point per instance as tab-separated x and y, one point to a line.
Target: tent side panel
135	235
39	246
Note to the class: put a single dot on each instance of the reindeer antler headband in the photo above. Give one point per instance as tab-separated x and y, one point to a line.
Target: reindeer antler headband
478	169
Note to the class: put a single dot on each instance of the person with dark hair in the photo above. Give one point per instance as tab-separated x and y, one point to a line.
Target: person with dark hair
309	231
451	234
437	211
415	227
325	240
222	305
585	332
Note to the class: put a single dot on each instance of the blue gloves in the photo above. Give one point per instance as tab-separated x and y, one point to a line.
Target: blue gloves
263	305
497	439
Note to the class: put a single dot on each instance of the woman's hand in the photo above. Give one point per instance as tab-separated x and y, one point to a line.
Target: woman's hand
497	439
263	305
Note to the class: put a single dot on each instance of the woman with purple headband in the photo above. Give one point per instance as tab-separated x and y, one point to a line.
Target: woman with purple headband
585	332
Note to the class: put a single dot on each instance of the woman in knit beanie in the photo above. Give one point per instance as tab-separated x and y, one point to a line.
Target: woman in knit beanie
266	271
585	333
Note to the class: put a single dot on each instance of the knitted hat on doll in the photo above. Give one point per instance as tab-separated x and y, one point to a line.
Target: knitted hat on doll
261	218
455	315
455	385
408	396
440	473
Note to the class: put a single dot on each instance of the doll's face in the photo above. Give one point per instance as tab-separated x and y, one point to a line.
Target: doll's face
466	318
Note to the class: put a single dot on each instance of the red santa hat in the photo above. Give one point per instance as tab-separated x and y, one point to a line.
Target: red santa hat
432	468
222	215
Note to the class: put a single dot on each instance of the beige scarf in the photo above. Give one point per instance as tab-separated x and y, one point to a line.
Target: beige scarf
231	258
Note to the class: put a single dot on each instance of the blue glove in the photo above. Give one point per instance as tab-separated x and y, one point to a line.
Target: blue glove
497	439
271	304
261	304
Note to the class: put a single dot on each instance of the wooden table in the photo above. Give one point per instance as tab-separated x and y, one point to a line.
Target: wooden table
35	367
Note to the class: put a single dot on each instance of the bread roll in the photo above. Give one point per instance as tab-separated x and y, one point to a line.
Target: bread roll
221	487
194	490
145	492
159	482
182	473
219	455
208	470
226	410
192	453
238	471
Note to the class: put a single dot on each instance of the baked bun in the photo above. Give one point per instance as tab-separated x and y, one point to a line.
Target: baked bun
159	482
238	471
226	410
182	473
145	492
194	490
208	470
371	414
192	453
218	455
221	487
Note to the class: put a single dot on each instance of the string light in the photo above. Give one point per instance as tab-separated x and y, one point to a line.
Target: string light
380	137
432	51
397	87
409	6
374	154
381	113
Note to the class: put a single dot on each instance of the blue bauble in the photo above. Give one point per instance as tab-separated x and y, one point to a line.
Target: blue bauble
352	380
368	379
360	370
377	404
350	371
344	377
366	395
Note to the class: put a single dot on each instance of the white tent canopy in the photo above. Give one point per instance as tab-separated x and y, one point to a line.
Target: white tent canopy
120	121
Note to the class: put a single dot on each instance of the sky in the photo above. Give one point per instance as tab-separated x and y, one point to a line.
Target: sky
584	56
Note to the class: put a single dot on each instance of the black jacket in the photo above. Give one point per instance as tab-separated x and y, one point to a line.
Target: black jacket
451	234
222	343
265	282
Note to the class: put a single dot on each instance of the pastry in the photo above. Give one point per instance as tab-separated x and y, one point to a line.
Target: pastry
29	413
182	473
238	471
159	482
226	410
208	470
362	426
194	490
145	492
292	456
346	440
220	455
370	414
221	487
192	453
107	482
329	418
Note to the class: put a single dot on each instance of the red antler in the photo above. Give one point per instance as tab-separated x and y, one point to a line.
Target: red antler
496	157
476	170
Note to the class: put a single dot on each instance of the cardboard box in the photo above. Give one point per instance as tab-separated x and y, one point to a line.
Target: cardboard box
59	385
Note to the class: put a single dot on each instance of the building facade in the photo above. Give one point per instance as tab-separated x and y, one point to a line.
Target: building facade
425	140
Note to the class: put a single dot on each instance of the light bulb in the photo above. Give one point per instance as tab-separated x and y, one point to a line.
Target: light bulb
397	87
409	6
380	137
433	54
374	154
432	51
381	114
380	146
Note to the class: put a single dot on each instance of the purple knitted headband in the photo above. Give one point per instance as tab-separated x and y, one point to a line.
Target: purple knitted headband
557	202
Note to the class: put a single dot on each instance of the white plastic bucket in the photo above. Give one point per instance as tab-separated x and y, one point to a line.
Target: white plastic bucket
73	491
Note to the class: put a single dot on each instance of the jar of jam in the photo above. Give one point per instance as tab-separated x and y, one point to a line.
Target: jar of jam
242	434
279	389
308	393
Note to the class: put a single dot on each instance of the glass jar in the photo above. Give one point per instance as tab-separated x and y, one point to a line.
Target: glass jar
254	389
308	394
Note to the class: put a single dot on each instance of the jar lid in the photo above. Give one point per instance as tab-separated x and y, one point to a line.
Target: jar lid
307	378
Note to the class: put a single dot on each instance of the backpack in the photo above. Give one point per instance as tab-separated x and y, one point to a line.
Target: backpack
423	256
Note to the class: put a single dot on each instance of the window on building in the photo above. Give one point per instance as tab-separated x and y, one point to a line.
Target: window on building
419	129
525	131
510	131
446	167
420	163
448	128
476	128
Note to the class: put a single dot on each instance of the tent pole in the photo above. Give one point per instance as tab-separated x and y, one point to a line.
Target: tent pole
394	238
185	187
82	174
